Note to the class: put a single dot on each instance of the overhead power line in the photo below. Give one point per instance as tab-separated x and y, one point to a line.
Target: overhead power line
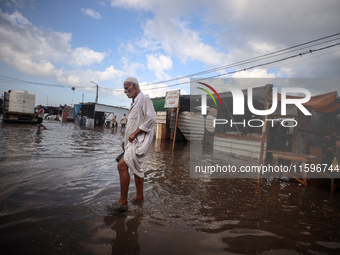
251	67
10	79
299	47
235	71
262	57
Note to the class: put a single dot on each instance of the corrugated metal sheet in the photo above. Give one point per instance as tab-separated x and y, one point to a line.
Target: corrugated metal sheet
161	117
191	125
237	146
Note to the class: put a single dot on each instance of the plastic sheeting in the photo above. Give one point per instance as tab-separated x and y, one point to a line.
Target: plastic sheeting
77	108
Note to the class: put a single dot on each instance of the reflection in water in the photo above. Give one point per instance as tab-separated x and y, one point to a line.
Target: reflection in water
55	185
126	228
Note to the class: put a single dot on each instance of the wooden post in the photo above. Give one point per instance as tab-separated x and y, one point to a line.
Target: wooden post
294	136
176	124
265	127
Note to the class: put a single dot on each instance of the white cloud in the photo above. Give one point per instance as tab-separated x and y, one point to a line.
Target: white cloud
137	4
110	73
130	68
166	31
73	79
239	29
20	37
83	78
148	44
91	13
214	34
38	52
158	91
164	8
253	28
254	73
83	56
177	39
261	47
129	47
42	68
285	72
159	63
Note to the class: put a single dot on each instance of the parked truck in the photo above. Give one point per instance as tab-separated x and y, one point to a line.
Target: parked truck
19	106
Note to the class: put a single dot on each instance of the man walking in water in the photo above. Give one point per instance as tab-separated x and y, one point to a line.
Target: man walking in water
40	115
138	138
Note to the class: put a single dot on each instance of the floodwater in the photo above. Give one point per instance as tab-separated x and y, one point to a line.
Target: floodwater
55	185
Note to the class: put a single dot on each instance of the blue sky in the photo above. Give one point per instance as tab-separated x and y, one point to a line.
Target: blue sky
71	43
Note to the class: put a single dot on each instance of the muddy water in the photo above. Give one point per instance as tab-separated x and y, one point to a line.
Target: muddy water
55	185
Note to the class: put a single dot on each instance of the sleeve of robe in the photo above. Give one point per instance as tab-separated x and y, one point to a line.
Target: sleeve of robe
149	116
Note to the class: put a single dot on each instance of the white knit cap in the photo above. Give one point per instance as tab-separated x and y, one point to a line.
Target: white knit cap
131	79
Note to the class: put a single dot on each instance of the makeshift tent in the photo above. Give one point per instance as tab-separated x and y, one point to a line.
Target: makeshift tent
328	103
310	130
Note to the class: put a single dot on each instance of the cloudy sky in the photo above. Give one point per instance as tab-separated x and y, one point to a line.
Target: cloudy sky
48	47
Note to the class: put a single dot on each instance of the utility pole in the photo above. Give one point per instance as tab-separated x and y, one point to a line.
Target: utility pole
97	95
96	92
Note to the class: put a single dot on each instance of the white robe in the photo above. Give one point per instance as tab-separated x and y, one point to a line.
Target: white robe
142	115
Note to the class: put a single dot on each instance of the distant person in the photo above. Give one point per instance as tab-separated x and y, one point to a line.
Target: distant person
114	121
40	115
123	122
138	138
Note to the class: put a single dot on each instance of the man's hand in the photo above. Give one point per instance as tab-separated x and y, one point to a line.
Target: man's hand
133	136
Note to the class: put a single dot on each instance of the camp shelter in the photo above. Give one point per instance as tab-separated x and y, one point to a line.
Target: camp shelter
190	124
93	114
162	127
233	135
67	113
311	130
54	112
253	142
